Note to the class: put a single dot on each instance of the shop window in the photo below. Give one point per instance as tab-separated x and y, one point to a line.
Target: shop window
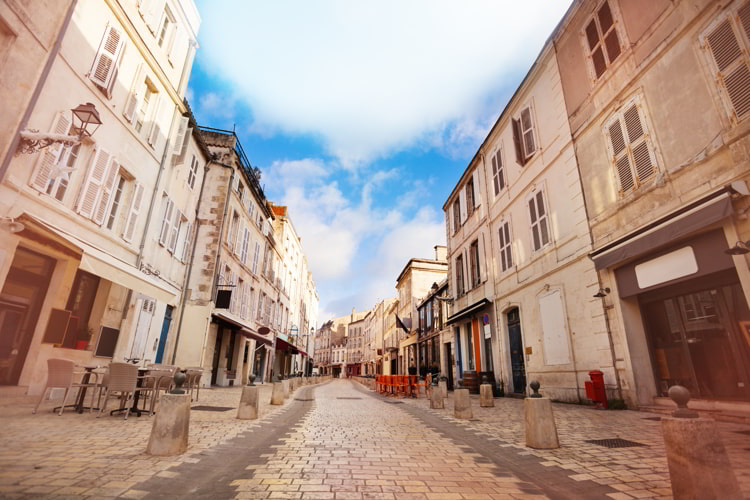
80	304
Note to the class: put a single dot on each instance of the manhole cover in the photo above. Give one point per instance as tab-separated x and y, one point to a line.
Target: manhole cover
212	408
347	398
746	433
653	418
303	399
614	443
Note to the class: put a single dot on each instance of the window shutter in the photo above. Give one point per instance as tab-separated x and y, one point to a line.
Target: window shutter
176	221
151	11
517	142
101	209
495	180
256	256
93	185
237	243
50	156
179	138
166	222
728	56
462	205
644	167
179	48
447	226
153	135
134	96
135	209
187	243
621	158
477	192
179	159
106	58
482	263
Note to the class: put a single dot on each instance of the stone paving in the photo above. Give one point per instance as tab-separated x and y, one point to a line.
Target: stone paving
82	456
635	472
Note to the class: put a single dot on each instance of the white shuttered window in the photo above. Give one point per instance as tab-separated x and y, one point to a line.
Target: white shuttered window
498	172
104	69
506	252
135	209
538	216
92	187
166	222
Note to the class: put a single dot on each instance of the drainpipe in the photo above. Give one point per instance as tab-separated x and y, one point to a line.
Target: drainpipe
37	90
189	270
141	247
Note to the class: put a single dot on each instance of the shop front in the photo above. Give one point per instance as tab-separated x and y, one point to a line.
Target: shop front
473	342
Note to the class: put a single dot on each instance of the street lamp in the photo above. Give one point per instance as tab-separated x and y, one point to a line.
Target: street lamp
85	121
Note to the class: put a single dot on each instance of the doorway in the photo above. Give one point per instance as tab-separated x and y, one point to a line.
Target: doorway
217	354
451	364
20	303
517	362
164	333
699	337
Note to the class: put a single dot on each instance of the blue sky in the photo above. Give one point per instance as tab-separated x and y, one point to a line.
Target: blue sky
362	116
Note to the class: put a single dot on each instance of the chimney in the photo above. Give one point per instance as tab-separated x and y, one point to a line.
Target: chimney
441	253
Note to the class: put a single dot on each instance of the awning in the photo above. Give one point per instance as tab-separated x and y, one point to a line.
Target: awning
466	311
286	346
104	265
668	229
241	327
404	324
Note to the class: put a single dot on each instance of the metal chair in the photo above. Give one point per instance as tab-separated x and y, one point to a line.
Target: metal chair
193	381
60	374
122	383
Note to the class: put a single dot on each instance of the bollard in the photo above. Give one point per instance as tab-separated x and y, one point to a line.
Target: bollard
443	386
541	432
277	394
485	394
461	402
697	460
169	433
436	400
285	387
249	403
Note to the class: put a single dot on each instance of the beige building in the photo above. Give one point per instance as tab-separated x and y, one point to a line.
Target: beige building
658	105
77	280
412	284
390	339
355	345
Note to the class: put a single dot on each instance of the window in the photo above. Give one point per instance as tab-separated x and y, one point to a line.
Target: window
506	253
186	244
104	69
93	200
498	172
143	109
456	215
57	162
470	197
631	152
474	263
135	209
245	244
193	172
233	228
523	136
261	298
460	275
116	201
538	215
729	51
81	303
166	32
602	41
166	221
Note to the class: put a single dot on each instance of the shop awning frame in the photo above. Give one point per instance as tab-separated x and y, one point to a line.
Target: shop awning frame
468	310
241	328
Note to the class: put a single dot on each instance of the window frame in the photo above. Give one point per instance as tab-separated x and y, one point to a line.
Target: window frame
456	215
460	281
545	204
619	32
505	247
520	144
498	171
474	264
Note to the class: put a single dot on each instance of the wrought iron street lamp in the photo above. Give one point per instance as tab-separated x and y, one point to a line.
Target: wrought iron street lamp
85	121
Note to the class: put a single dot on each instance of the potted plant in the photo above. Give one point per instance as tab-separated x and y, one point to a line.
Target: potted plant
83	338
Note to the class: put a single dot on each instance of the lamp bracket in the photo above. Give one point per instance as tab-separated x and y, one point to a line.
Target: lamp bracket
32	141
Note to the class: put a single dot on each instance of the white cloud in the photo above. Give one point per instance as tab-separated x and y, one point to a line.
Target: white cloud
370	78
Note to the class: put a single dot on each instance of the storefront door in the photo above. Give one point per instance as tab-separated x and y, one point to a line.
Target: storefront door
517	361
20	302
699	337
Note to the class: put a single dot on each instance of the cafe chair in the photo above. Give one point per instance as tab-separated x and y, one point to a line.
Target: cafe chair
193	381
123	384
60	374
158	380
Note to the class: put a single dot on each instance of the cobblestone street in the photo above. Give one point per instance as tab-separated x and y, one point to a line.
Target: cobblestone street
340	440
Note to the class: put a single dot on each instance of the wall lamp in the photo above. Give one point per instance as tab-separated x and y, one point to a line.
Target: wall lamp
601	293
11	225
739	248
85	121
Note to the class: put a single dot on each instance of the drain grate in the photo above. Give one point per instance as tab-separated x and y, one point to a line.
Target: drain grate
746	433
653	418
212	408
614	443
347	398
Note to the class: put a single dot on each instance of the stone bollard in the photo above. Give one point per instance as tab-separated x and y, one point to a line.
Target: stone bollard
485	394
541	432
249	402
277	394
461	402
697	460
285	386
436	400
443	386
169	433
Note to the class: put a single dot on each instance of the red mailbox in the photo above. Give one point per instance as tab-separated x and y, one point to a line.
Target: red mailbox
595	389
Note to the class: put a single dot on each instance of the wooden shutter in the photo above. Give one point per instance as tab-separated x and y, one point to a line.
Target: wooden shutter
50	156
135	209
187	244
728	55
245	245
153	135
106	58
462	205
527	131
175	231
166	223
243	303
179	159
256	257
151	12
236	242
179	138
135	95
103	204
517	142
93	184
482	263
495	180
477	192
620	158
179	48
644	167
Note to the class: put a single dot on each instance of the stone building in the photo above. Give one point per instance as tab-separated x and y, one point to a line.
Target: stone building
355	344
657	100
413	283
435	337
77	280
390	339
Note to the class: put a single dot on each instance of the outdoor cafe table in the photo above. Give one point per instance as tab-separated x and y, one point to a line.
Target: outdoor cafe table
79	406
